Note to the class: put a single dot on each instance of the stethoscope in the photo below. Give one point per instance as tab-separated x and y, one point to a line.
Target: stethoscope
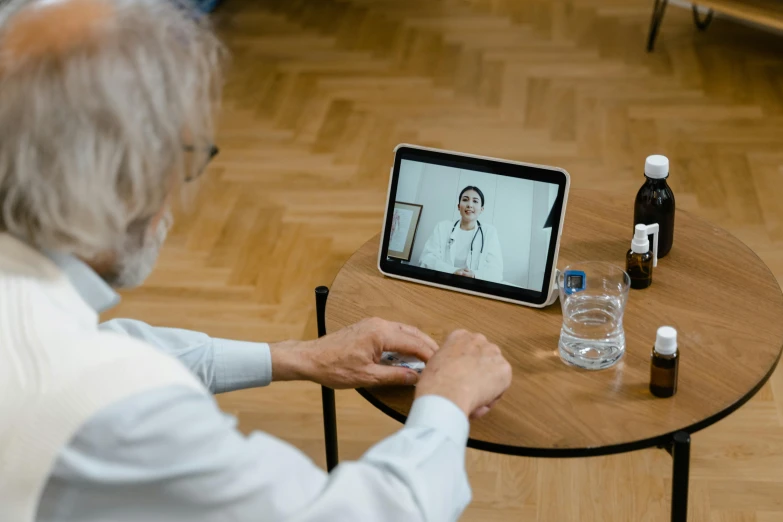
451	239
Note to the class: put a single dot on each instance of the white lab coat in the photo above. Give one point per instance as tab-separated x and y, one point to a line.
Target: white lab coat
487	265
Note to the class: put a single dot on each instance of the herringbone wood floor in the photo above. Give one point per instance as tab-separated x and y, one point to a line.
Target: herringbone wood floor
319	93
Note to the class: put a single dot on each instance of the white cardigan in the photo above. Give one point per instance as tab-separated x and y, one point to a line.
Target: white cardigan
56	371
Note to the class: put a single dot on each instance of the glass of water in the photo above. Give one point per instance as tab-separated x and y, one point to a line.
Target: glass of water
593	297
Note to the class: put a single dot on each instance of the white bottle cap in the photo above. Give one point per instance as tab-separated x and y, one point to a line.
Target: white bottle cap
641	242
656	167
666	342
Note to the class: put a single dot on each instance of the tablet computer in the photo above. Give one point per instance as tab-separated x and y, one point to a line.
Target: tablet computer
473	224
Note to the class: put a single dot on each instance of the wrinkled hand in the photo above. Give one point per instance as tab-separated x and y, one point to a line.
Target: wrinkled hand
350	357
469	371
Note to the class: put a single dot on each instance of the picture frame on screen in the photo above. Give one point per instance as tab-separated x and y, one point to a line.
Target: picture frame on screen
405	224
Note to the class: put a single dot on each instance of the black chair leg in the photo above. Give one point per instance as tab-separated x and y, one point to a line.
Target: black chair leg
327	394
659	9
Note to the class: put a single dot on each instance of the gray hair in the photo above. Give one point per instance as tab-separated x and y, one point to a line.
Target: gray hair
92	141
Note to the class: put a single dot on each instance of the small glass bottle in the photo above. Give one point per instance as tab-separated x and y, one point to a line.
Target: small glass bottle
665	361
640	260
655	201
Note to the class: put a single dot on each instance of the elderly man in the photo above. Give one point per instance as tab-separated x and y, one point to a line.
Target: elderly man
105	108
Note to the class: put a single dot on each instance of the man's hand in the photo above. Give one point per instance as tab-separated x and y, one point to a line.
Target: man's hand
469	371
350	357
465	273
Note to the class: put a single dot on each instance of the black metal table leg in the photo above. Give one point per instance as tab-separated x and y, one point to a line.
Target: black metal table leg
702	25
657	17
327	394
681	460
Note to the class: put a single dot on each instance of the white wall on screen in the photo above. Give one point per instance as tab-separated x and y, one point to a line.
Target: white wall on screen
408	182
513	213
544	197
437	192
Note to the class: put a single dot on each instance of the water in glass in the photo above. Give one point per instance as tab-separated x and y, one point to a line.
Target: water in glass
592	334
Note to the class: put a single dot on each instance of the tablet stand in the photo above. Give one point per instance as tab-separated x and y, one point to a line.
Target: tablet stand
554	292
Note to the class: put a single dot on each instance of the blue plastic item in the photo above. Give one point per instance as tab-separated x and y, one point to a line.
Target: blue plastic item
574	281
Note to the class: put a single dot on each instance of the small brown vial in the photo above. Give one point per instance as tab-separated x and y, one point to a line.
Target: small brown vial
663	374
664	363
639	268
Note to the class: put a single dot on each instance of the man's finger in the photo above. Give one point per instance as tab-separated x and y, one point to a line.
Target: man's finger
394	376
480	412
408	340
492	404
412	330
421	335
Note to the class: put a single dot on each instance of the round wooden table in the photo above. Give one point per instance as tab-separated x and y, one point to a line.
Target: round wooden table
723	300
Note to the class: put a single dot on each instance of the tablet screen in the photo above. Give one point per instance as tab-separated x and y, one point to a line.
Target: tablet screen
473	223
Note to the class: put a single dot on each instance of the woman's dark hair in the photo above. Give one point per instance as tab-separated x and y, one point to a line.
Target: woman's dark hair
470	187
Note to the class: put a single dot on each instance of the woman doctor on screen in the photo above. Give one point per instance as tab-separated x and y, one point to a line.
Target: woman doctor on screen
466	247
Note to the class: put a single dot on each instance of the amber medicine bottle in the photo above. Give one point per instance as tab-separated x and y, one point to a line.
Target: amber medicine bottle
655	201
640	260
664	364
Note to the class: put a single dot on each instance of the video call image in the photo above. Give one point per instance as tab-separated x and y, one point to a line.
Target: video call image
472	224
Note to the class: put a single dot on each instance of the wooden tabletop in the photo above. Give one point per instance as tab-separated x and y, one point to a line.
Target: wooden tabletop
722	299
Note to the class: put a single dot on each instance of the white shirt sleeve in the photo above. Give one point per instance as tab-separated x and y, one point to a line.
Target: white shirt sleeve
222	365
170	454
432	256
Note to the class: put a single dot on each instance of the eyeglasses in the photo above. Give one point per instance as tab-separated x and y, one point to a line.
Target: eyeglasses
211	151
